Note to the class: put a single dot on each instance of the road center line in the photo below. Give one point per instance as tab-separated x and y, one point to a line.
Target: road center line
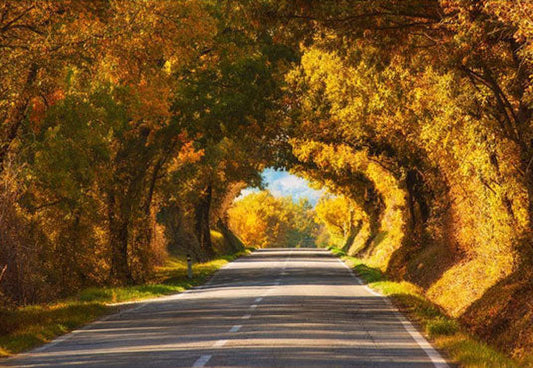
235	328
202	361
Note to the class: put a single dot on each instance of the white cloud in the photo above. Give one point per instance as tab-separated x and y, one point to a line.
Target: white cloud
283	183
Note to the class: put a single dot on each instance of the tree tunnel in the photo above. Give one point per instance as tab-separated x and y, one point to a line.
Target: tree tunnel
128	133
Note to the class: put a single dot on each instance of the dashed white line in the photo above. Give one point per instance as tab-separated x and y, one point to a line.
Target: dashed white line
235	328
220	343
202	361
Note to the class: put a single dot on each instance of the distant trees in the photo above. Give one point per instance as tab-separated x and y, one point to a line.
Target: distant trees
264	221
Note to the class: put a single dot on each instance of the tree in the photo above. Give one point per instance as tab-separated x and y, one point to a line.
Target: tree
262	220
228	102
341	218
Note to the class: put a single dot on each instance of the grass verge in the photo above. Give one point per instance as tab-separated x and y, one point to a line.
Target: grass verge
444	332
27	327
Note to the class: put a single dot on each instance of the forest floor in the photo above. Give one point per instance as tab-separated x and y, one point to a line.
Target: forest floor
444	332
26	327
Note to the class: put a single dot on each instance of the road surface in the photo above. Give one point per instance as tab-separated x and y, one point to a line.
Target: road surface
275	308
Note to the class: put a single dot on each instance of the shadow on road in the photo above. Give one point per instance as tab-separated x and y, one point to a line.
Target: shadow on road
316	317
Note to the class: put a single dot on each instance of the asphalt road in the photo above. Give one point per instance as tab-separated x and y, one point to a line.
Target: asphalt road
275	308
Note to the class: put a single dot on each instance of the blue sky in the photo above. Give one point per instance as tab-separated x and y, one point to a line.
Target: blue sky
282	183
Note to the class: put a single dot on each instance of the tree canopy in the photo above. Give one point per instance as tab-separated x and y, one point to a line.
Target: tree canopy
129	127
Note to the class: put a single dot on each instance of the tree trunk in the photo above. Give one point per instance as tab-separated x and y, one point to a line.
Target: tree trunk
202	228
352	233
235	243
373	207
118	242
416	204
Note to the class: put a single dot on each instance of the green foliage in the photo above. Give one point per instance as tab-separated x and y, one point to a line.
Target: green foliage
442	327
336	251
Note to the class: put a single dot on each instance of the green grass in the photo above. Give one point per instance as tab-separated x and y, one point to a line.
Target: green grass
444	331
336	251
169	279
28	327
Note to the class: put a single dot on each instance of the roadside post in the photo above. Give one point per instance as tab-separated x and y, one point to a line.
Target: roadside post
189	266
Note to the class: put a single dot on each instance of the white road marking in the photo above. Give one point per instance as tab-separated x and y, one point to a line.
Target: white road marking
352	274
373	292
220	343
202	361
437	359
235	328
258	300
246	316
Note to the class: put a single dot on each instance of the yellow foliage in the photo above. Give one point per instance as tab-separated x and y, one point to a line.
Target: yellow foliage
262	220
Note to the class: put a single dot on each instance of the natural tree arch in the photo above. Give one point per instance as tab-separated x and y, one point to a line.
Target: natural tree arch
123	120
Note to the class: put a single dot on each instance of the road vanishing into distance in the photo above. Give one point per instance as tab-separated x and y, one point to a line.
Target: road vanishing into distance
274	308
